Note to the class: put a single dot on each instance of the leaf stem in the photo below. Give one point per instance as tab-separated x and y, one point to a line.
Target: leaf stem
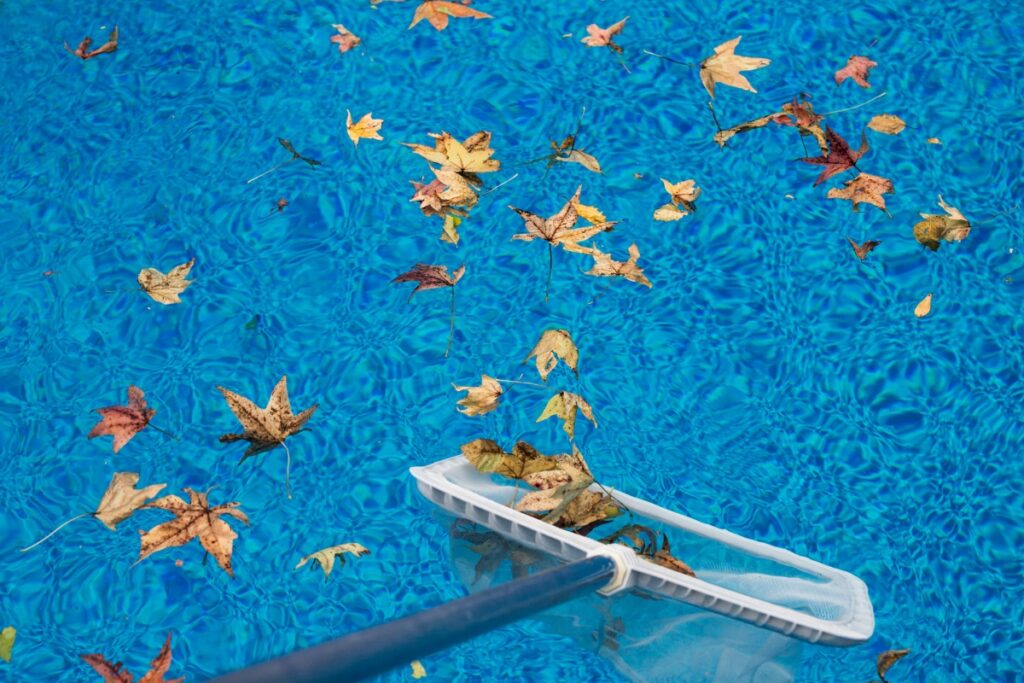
451	326
516	381
505	182
76	517
669	59
856	106
270	170
287	470
551	265
164	432
998	215
711	106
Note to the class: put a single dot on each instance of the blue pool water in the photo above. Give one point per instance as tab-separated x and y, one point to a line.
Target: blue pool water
768	383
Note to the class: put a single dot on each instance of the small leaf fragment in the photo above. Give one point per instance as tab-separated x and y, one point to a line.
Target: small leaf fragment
580	157
7	642
857	68
114	672
417	669
890	124
933	141
924	307
887	659
862	250
345	39
325	557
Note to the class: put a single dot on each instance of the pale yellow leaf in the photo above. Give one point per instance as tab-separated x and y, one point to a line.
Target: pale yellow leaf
924	307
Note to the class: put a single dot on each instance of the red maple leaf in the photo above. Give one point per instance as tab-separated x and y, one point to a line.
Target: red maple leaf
113	672
839	158
124	422
857	69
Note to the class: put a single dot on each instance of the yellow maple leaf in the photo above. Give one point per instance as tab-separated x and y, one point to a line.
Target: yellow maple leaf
437	12
482	399
166	288
367	127
725	66
469	157
564	405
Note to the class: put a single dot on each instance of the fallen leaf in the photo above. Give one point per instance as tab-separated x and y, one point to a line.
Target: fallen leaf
839	157
724	67
166	288
295	155
590	214
450	229
602	37
367	127
606	266
7	642
578	156
417	669
195	519
683	195
466	158
862	250
325	557
924	307
864	189
560	228
890	124
564	405
487	457
554	344
121	498
112	672
857	68
933	141
435	277
482	399
644	542
437	13
665	558
84	52
265	428
887	659
798	114
281	203
345	39
431	277
936	228
124	422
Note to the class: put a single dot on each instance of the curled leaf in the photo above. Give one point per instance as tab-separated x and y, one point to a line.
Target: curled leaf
417	669
602	37
862	250
326	556
554	344
887	659
7	642
924	307
482	399
487	456
564	405
166	288
85	53
578	156
890	124
431	277
113	672
935	229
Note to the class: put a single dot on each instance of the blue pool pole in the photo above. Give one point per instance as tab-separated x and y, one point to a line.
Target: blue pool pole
396	643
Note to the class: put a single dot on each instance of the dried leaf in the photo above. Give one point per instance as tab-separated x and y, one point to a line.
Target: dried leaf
417	669
857	68
437	13
602	37
935	228
683	195
725	66
606	266
580	157
665	558
797	114
560	228
839	157
295	155
112	672
933	141
431	277
124	422
669	212
864	189
487	456
590	214
7	642
345	39
862	250
887	659
469	157
121	498
889	124
367	127
325	557
166	288
482	399
924	307
564	405
554	344
450	229
195	519
265	428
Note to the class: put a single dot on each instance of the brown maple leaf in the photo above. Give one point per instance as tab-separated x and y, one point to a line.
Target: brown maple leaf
862	250
124	422
437	13
551	346
602	37
839	157
435	277
725	66
856	68
864	189
605	265
194	519
113	672
345	39
166	289
266	428
468	158
84	52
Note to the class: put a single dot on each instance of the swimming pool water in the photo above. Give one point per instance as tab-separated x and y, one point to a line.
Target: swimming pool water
768	383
